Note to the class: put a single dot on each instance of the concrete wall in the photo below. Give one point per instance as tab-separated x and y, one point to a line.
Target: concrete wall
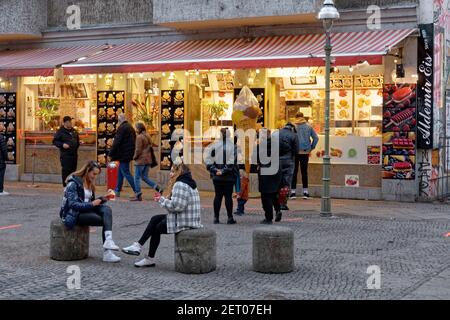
22	19
101	12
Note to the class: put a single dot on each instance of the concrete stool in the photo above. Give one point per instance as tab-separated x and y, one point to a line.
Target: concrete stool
68	245
195	251
273	250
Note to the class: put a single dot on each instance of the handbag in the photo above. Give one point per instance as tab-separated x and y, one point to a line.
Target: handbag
283	195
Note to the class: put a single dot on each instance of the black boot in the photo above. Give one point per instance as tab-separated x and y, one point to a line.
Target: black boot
216	220
231	220
278	216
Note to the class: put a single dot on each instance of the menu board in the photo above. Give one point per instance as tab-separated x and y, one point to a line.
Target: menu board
399	131
260	95
172	126
8	124
110	104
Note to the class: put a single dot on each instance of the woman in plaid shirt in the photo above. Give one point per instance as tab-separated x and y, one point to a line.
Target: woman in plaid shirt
184	212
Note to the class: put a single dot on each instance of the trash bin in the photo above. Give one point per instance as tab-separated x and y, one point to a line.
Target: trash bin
112	173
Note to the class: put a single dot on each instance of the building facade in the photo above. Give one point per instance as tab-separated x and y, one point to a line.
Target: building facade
170	61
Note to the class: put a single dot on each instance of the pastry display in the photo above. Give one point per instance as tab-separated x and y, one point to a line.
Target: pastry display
101	114
119	97
179	113
2	113
344	104
11	156
166	162
166	97
336	152
102	127
111	100
165	114
101	158
363	115
2	127
110	113
111	128
119	112
11	99
343	114
109	143
179	97
341	133
102	143
2	100
165	129
11	128
102	97
165	144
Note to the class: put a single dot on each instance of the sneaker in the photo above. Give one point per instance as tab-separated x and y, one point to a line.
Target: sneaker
134	249
145	263
216	221
109	256
4	193
284	207
110	245
305	195
265	221
138	197
293	196
278	216
231	221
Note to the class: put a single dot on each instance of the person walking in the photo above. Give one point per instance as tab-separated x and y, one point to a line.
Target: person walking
288	141
221	162
182	203
67	140
3	158
79	203
307	139
144	158
269	180
122	150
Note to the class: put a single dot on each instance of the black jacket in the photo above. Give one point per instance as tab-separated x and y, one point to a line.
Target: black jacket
3	150
74	197
225	150
69	137
124	143
288	142
269	182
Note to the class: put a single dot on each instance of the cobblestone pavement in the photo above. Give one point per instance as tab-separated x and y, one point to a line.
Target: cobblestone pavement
407	241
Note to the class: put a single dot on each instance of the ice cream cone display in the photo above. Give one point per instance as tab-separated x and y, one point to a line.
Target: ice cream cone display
8	124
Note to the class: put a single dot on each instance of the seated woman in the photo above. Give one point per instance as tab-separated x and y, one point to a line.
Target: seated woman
79	197
184	212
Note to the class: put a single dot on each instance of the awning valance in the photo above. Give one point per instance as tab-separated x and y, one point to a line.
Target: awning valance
275	51
41	62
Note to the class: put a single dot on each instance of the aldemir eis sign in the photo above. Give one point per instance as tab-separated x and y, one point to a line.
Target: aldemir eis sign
425	86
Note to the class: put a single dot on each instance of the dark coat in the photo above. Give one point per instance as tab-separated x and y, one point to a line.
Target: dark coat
69	137
225	150
268	183
74	198
3	151
124	144
289	145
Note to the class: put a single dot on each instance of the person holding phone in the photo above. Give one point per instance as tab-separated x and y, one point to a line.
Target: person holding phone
182	202
79	197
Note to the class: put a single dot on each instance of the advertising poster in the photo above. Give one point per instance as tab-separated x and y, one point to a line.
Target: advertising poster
110	104
260	95
172	126
399	131
8	124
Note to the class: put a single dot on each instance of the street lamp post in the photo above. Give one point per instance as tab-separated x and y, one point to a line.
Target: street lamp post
327	14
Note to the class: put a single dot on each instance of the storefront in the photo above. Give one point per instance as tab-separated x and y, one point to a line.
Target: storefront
193	84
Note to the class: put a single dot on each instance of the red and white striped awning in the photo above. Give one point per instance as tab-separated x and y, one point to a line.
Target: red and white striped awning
41	62
276	51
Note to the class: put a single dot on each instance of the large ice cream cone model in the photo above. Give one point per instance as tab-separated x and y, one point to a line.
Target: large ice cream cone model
245	116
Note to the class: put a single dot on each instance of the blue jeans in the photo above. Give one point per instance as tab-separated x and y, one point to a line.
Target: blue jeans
124	172
141	172
240	205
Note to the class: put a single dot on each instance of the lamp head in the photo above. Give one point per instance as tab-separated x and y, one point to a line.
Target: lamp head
328	13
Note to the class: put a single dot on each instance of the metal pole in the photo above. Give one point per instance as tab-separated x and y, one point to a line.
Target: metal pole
325	210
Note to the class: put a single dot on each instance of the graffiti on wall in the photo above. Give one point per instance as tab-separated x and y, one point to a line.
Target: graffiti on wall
428	173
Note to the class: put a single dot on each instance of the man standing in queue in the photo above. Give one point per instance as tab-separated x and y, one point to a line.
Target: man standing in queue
68	142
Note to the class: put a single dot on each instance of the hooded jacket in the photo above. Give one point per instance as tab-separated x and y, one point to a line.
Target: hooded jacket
222	156
305	134
124	143
288	142
74	197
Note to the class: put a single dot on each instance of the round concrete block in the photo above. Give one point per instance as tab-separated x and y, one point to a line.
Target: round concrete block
195	251
68	245
273	250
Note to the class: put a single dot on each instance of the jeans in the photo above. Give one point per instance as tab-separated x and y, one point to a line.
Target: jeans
287	171
100	217
301	160
69	164
156	227
269	202
124	172
2	176
224	189
141	172
241	205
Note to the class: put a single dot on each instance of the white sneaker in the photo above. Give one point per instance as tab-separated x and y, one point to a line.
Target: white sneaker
4	193
134	249
109	256
146	262
110	245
